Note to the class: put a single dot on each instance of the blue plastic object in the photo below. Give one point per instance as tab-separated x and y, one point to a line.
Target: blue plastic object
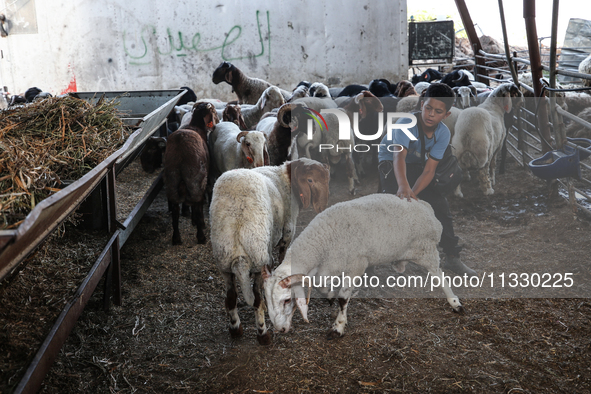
557	164
583	143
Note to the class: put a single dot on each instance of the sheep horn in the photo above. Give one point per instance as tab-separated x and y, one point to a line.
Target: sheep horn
240	135
283	111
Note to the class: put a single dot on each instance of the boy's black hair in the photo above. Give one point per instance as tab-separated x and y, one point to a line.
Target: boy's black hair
441	92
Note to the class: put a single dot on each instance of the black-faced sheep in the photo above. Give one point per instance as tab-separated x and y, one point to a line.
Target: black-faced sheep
186	166
248	89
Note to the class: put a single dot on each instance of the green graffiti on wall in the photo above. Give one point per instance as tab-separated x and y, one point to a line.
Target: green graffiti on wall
181	45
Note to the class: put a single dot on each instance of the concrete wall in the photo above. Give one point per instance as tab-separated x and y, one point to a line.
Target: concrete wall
90	45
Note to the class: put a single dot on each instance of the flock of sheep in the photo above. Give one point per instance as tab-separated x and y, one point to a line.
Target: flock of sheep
259	167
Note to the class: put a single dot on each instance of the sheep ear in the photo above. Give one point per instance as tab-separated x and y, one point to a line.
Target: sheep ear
241	121
228	76
266	155
300	186
240	135
291	280
303	307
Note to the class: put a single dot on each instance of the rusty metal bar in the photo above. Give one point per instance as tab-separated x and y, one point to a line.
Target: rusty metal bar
472	36
529	14
506	40
47	353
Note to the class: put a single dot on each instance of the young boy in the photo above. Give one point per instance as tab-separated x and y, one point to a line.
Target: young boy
402	173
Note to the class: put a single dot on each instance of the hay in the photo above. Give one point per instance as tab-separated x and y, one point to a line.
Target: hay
49	141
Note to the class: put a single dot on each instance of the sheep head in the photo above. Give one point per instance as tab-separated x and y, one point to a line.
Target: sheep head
309	182
405	89
233	113
223	73
204	116
282	294
254	148
503	96
270	99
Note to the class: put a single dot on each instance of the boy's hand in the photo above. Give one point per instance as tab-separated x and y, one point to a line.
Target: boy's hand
406	192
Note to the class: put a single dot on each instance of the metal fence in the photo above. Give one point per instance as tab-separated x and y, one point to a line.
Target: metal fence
524	137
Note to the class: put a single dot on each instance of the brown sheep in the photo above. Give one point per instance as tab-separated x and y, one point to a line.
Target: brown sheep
186	166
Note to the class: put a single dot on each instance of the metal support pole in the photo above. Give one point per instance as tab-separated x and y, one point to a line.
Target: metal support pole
529	14
472	36
506	40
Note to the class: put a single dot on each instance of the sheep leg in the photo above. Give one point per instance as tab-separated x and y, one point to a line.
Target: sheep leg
492	167
338	327
453	300
231	305
185	212
351	174
264	336
199	221
484	179
176	235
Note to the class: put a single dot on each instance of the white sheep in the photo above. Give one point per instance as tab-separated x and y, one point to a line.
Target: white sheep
233	148
479	134
248	89
251	213
452	119
466	96
585	68
387	230
421	86
407	104
271	98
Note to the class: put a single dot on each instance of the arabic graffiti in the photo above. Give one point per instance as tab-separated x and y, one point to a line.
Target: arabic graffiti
184	45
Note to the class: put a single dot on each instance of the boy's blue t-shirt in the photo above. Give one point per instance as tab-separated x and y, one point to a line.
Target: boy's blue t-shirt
434	147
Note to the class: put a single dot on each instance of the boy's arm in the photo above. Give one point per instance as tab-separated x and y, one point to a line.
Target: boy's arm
399	164
426	177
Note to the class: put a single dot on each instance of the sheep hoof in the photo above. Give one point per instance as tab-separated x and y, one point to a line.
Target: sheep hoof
352	191
265	339
236	332
201	240
176	240
460	309
489	191
334	334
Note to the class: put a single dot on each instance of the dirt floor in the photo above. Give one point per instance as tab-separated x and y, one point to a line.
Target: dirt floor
171	334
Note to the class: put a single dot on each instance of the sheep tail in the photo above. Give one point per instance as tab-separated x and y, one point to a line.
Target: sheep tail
241	269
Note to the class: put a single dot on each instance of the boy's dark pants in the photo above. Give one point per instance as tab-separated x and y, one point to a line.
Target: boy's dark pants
388	184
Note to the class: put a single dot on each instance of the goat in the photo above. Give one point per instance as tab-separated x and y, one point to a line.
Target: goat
251	213
186	166
325	248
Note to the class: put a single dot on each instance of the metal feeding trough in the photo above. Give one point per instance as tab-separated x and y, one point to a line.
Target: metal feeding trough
584	143
557	164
